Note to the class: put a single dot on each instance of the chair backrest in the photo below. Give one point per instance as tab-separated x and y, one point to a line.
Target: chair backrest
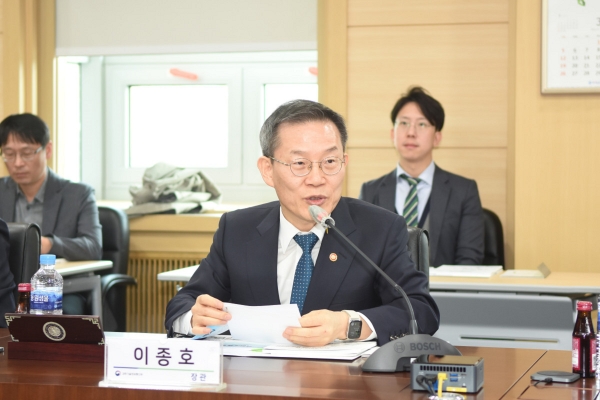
115	238
24	253
493	252
418	246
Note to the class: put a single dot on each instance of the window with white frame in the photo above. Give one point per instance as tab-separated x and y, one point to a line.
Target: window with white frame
194	111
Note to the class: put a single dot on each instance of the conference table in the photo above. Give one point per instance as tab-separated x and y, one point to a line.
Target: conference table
506	376
498	311
79	277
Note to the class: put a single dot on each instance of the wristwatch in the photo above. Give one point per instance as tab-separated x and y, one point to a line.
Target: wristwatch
354	325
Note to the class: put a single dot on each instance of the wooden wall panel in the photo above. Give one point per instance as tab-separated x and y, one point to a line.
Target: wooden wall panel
3	170
384	61
486	166
425	12
28	60
331	36
189	234
557	185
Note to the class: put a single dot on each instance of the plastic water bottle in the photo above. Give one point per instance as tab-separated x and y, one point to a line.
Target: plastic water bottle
46	288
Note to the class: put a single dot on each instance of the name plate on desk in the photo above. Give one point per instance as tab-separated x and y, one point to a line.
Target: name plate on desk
153	361
55	337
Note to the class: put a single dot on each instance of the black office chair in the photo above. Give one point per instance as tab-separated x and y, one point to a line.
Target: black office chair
493	251
24	253
418	246
115	247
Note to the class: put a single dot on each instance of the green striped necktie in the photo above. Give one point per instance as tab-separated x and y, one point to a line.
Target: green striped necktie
411	204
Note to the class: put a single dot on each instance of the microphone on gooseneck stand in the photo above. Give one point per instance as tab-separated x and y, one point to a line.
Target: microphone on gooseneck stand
395	355
320	216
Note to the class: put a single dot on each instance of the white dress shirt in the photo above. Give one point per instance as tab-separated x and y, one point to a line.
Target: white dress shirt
288	255
423	188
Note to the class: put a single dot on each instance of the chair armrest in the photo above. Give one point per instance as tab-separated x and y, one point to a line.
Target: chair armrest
111	280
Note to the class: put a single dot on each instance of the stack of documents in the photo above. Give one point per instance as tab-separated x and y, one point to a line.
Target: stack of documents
258	332
333	351
466	271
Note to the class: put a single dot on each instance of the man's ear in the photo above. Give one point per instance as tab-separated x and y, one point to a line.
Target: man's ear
265	166
48	150
437	138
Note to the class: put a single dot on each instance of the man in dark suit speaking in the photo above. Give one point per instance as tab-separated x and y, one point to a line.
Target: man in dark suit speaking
445	204
276	254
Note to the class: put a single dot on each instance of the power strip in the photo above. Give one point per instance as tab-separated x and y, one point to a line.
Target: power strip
465	374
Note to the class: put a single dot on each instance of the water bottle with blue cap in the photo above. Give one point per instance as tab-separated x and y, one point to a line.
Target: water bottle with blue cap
46	288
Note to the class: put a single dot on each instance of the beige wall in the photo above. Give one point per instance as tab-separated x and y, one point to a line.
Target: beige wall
556	163
109	27
27	60
457	50
534	157
3	171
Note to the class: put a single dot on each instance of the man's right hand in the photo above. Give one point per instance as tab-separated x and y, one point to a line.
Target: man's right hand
206	312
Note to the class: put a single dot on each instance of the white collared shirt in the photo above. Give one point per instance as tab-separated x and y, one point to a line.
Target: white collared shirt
289	253
423	188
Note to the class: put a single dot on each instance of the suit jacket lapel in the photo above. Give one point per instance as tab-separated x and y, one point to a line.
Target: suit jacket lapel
387	192
328	275
261	257
51	203
438	199
7	206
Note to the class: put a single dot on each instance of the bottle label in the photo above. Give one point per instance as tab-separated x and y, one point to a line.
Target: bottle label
575	356
46	300
593	354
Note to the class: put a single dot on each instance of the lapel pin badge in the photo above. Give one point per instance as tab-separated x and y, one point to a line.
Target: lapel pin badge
333	257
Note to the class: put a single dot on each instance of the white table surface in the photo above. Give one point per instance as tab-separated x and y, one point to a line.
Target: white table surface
67	268
178	275
563	283
556	282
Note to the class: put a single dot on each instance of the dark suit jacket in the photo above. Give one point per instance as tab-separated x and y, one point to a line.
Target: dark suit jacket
242	268
455	215
7	281
70	216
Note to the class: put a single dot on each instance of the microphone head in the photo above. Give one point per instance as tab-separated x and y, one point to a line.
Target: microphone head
319	215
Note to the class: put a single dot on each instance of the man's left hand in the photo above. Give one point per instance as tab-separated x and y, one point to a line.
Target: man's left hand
46	245
319	328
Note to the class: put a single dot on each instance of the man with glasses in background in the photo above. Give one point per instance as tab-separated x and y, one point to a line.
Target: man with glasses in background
445	204
275	253
65	211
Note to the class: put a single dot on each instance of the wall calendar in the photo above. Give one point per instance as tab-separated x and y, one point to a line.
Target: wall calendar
570	46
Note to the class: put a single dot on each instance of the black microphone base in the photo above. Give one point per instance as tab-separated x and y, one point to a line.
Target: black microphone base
396	355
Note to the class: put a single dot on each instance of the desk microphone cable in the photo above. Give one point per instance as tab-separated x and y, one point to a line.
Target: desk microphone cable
426	382
546	380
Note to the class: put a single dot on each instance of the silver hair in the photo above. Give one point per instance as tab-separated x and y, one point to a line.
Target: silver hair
297	112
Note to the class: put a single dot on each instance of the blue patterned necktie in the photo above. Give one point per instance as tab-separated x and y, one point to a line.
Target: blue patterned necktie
304	269
411	209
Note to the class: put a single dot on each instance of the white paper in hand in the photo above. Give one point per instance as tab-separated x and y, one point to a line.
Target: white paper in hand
262	324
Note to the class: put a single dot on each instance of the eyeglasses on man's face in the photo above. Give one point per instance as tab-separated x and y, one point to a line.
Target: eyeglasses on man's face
302	166
26	155
420	126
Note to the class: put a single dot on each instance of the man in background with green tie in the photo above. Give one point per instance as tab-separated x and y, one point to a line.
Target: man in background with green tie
445	204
